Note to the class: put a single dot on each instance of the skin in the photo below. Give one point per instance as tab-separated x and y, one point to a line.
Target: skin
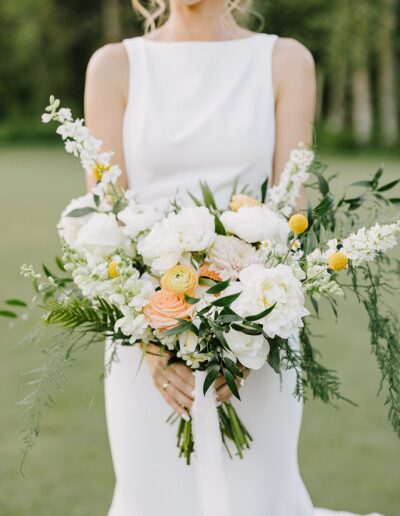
106	96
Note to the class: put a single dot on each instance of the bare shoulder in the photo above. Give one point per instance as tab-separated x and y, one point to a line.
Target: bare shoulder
109	65
292	62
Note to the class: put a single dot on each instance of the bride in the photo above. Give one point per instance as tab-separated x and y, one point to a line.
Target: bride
201	97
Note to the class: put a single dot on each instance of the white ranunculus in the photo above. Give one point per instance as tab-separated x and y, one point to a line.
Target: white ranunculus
229	256
138	218
262	288
68	227
99	237
195	227
251	350
256	224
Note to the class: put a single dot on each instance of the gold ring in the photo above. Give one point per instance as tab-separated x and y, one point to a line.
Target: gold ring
242	382
165	386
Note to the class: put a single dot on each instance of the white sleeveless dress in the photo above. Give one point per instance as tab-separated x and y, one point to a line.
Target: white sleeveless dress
200	110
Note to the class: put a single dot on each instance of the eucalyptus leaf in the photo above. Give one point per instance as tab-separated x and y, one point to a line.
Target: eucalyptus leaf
212	374
219	287
8	313
81	212
16	302
260	315
230	380
226	301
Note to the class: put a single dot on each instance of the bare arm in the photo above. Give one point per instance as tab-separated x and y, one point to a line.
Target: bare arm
106	93
295	98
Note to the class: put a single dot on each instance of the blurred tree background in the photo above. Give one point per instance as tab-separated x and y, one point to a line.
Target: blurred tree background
46	45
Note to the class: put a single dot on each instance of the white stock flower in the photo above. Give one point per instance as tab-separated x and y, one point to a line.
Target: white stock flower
261	288
138	218
133	326
230	256
283	197
251	350
256	224
99	237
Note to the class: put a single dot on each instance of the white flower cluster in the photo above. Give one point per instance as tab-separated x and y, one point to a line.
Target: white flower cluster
190	230
230	255
79	142
282	198
319	280
365	244
128	291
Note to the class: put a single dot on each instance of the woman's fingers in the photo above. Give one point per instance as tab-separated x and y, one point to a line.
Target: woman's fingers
185	373
176	380
174	404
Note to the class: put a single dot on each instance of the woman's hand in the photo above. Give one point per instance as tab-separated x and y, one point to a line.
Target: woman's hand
175	382
223	391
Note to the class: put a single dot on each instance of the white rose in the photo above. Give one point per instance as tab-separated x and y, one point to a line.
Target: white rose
262	288
68	227
138	218
256	224
99	237
251	350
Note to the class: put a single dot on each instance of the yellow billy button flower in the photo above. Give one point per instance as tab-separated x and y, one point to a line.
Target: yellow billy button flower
113	270
298	223
338	261
240	200
180	279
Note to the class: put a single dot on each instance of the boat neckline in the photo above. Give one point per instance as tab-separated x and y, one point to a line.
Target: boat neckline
200	42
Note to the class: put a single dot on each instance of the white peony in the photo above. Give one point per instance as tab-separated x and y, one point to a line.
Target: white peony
262	288
99	237
256	224
190	230
138	218
229	256
251	350
68	227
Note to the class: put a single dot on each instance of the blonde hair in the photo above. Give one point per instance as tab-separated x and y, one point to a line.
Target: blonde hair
157	12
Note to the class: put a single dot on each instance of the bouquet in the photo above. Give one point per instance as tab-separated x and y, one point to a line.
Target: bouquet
218	288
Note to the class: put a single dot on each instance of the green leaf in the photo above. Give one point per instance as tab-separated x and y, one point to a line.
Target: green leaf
389	186
315	305
219	287
191	300
246	329
325	205
230	380
274	359
366	184
229	318
96	199
16	302
219	227
376	178
212	374
180	328
47	271
60	263
262	314
194	199
394	200
226	301
323	184
234	186
264	190
230	364
7	313
81	212
208	197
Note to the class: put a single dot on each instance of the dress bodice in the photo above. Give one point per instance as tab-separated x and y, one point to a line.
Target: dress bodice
198	111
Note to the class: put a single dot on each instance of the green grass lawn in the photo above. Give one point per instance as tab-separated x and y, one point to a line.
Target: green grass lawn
349	457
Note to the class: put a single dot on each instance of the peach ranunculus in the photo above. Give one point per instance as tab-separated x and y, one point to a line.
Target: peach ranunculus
240	200
164	308
180	279
206	271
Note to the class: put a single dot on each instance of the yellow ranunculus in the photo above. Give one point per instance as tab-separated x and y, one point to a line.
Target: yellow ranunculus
240	200
338	261
113	270
180	279
298	223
